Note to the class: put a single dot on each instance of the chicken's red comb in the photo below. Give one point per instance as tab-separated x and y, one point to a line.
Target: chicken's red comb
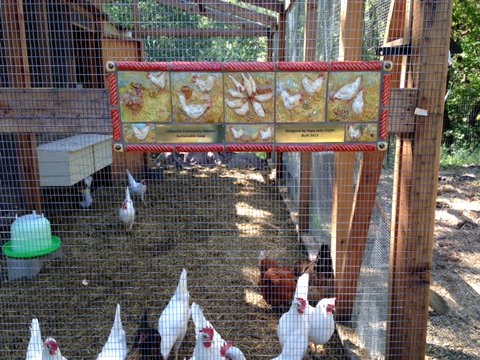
223	350
209	331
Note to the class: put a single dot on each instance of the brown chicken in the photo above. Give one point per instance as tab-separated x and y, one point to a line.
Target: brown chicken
146	345
277	283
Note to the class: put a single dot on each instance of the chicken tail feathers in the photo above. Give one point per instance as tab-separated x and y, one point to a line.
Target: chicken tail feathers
35	344
182	283
302	287
197	316
127	195
131	180
117	322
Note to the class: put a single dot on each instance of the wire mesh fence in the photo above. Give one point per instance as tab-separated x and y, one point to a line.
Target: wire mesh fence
233	221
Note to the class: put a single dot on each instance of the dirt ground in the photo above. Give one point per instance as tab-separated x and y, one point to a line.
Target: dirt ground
456	266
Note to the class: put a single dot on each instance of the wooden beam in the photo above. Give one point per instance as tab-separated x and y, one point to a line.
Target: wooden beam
221	17
54	110
282	37
272	5
415	180
201	33
136	18
398	33
241	12
351	34
16	51
309	54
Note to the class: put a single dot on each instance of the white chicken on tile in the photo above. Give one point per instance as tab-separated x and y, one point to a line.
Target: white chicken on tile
140	131
293	325
321	322
116	346
205	84
290	101
311	87
159	79
127	211
348	91
208	341
358	104
354	132
173	322
137	187
193	111
237	133
266	134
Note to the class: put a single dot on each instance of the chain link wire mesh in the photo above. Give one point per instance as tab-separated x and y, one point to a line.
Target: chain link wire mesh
211	214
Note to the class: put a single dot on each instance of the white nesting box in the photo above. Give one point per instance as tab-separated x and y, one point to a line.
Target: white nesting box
67	161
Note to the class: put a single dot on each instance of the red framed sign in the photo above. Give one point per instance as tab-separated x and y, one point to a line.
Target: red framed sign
286	106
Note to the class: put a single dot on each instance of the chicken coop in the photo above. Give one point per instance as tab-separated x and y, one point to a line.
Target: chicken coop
106	200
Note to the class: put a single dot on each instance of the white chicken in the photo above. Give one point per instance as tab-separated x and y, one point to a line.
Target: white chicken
266	134
357	104
87	198
311	87
88	181
242	110
230	352
116	346
159	79
173	322
204	84
290	101
48	350
35	345
348	91
237	133
237	84
137	187
321	322
140	131
293	325
355	132
193	111
127	211
51	350
208	341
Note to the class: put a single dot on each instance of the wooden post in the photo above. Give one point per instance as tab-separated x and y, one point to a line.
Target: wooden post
415	183
281	28
18	69
351	30
309	54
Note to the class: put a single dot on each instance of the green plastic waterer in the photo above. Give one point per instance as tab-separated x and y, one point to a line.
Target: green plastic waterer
31	236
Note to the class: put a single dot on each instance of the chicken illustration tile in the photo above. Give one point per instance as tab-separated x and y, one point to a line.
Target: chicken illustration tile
301	97
139	133
197	97
144	96
262	133
354	96
249	97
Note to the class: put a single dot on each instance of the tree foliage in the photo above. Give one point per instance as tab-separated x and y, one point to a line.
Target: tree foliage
463	106
162	48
